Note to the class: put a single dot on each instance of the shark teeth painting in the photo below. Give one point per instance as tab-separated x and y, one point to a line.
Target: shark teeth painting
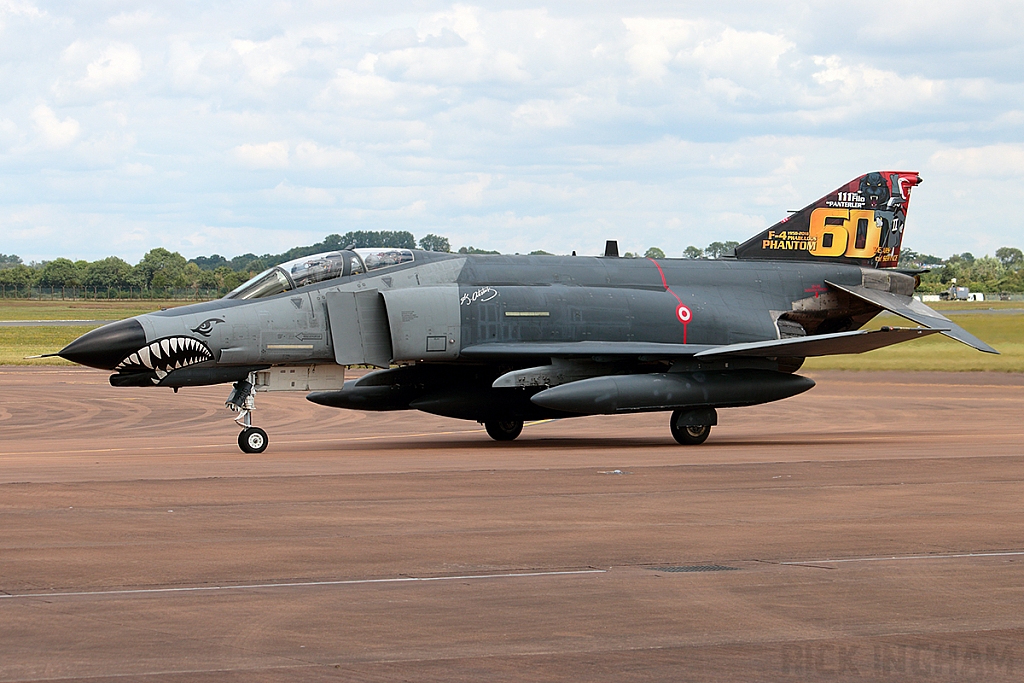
163	356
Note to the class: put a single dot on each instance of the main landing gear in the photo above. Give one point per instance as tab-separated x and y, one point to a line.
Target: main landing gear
692	427
504	430
243	401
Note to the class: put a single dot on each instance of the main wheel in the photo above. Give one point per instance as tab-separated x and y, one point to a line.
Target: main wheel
504	430
253	440
692	435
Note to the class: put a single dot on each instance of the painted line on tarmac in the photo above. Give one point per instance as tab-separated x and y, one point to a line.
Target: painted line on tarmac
908	557
302	584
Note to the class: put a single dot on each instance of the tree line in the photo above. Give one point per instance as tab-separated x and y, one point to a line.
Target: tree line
1003	272
161	271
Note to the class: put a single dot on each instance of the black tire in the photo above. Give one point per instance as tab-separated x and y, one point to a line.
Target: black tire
504	430
253	440
689	436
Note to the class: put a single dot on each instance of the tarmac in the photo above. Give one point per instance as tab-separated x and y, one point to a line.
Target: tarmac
869	529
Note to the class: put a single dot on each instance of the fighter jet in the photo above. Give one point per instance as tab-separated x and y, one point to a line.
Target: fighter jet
506	339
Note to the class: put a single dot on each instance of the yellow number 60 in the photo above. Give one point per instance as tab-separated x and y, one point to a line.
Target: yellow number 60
831	231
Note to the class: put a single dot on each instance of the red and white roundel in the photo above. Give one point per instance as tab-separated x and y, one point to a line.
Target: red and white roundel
684	314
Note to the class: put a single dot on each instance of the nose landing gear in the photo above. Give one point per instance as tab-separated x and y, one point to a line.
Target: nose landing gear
253	440
243	401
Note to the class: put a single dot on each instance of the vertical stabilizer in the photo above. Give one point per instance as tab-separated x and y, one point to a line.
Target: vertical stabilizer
860	222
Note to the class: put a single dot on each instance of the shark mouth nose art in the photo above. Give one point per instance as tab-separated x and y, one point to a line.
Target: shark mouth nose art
165	355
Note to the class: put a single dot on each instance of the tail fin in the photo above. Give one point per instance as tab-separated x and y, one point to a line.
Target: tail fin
861	222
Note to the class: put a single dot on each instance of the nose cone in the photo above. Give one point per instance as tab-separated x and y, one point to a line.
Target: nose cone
106	346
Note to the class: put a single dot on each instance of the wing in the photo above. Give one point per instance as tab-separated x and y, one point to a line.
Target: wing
642	350
857	341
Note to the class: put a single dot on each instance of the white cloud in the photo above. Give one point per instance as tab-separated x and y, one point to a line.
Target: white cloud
12	8
265	62
266	155
747	58
119	64
470	193
992	161
192	68
542	114
508	127
655	43
455	47
133	21
137	169
8	132
868	84
309	155
106	149
290	194
54	132
352	88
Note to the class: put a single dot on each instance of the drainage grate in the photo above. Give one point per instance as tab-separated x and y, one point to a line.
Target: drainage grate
695	568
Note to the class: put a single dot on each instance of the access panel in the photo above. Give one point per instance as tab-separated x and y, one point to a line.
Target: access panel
425	322
359	328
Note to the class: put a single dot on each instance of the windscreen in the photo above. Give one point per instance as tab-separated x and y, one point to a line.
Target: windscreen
267	283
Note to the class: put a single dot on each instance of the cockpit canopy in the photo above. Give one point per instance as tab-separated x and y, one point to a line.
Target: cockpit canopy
309	270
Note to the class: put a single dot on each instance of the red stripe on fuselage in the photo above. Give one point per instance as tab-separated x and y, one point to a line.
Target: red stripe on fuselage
664	282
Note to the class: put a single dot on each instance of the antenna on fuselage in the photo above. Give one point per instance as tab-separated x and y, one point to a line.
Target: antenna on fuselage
611	249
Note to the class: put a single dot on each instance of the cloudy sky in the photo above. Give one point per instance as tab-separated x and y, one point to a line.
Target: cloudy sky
258	126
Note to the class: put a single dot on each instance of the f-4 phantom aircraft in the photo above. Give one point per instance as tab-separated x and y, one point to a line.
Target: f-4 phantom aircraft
503	339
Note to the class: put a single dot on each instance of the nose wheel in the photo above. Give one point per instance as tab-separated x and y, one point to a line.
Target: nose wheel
243	401
253	440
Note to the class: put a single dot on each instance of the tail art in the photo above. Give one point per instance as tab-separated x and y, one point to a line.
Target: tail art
861	222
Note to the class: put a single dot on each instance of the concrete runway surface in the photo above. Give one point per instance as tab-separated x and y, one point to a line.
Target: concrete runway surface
870	529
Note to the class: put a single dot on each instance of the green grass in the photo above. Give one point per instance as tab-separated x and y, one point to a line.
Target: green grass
1004	332
18	342
100	309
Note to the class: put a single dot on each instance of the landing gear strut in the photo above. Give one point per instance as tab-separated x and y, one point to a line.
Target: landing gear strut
243	401
692	427
504	430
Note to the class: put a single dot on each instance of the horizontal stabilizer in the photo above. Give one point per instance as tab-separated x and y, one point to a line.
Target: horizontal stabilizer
857	341
915	311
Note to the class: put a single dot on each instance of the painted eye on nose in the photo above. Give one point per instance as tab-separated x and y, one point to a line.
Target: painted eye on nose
205	328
